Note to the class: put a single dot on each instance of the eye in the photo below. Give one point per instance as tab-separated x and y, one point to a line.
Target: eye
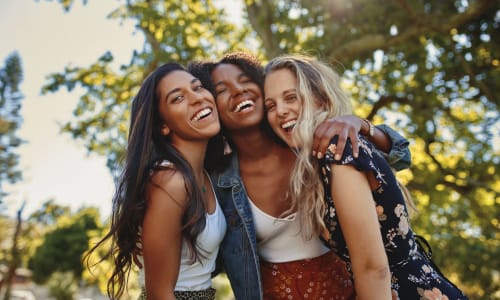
269	106
178	98
198	87
220	91
291	97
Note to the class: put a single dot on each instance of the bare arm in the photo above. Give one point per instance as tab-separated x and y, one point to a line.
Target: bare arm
161	234
357	216
345	127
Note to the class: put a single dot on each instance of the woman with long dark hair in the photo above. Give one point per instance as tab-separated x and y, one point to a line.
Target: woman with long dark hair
164	206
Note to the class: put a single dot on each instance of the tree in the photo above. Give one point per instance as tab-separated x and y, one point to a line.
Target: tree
15	260
62	248
431	67
428	68
11	75
62	285
102	116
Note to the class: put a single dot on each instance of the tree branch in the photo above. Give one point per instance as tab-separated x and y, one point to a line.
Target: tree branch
385	101
380	41
261	19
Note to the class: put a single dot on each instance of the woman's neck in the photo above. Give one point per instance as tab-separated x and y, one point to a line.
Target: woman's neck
194	153
257	147
254	143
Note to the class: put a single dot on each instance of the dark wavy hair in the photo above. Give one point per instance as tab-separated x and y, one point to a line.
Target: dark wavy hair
252	67
146	147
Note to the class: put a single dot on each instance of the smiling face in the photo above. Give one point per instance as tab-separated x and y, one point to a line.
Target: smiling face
282	103
238	98
187	109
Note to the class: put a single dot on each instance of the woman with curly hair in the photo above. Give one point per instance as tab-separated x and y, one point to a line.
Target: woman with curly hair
262	252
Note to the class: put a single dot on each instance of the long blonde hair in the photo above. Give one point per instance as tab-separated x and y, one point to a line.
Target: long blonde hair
317	86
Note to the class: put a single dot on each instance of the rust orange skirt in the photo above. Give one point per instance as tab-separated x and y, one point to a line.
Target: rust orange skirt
323	277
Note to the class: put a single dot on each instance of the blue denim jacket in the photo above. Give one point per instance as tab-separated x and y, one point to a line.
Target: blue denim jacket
238	252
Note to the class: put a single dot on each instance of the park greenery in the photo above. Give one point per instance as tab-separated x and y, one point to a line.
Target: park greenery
11	75
429	69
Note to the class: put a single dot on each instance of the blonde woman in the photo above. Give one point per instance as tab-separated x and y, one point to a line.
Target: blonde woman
355	203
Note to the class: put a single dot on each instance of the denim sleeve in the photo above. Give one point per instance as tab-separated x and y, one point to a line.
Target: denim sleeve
400	156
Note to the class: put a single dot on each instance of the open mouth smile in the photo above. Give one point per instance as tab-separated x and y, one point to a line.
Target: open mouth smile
202	114
288	126
244	105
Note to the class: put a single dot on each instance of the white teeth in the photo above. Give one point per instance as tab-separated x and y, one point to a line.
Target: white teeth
202	113
241	104
288	124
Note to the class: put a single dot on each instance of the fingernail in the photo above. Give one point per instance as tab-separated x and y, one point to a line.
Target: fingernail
337	157
320	155
314	153
355	154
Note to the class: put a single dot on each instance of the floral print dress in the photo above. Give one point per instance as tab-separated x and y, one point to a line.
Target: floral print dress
414	276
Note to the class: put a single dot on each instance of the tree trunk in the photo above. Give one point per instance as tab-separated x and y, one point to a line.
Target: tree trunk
15	258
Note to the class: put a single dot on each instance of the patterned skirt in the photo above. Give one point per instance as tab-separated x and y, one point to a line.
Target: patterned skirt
323	277
208	294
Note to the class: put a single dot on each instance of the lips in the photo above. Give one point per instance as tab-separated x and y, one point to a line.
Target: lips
244	105
203	113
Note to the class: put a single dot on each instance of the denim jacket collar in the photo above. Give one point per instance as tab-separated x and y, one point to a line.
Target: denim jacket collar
230	176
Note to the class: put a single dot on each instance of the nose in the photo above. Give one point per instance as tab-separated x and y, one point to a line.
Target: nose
239	88
196	97
282	110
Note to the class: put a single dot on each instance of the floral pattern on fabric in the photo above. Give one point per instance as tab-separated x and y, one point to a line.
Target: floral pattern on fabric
413	275
320	278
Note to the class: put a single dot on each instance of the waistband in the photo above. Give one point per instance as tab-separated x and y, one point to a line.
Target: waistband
208	294
304	264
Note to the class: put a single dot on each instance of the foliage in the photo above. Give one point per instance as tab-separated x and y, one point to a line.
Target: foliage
63	246
223	287
49	213
6	230
11	75
62	285
173	30
15	255
428	68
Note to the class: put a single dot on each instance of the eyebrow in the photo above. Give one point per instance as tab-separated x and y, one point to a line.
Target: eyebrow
292	90
178	89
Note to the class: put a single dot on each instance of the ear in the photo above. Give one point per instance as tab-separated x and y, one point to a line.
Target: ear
165	130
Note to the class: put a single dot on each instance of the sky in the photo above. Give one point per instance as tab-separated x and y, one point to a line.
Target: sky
54	165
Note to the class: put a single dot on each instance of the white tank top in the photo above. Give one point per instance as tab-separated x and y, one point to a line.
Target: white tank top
280	239
197	276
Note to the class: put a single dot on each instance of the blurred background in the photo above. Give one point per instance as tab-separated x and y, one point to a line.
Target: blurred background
70	68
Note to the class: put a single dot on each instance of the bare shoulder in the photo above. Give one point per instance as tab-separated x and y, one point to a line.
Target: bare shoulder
167	184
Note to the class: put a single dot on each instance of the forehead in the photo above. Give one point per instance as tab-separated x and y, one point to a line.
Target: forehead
225	72
173	80
278	82
284	76
177	77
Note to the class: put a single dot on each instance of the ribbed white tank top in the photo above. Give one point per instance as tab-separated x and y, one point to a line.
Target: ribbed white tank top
280	240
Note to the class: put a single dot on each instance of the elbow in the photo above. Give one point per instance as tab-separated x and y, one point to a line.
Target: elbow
374	269
382	272
379	271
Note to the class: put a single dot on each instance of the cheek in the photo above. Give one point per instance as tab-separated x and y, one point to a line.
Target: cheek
297	108
271	119
221	103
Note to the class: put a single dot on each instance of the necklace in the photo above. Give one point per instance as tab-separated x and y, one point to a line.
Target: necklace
203	184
